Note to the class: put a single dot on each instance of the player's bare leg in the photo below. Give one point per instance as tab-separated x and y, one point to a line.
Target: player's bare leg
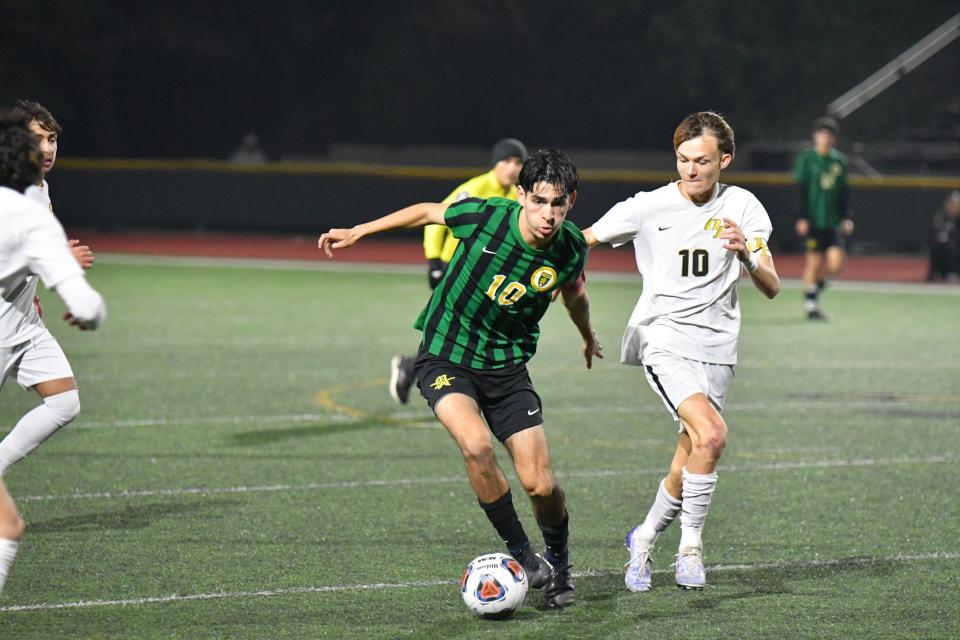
11	531
531	459
61	405
834	263
708	438
813	274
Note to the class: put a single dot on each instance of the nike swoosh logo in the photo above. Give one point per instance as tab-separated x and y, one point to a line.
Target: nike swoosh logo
530	413
663	228
490	252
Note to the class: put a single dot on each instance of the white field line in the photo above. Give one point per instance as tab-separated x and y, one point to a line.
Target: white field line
418	584
599	473
323	264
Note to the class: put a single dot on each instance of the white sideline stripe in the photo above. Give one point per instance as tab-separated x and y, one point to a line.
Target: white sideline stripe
383	586
600	473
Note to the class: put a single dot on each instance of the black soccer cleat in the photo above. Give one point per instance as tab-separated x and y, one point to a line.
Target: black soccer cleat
402	378
560	592
538	570
816	314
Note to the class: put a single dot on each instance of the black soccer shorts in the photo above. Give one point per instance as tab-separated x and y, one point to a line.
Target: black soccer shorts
505	396
823	239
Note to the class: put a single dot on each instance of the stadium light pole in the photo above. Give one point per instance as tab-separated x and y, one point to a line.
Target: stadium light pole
896	69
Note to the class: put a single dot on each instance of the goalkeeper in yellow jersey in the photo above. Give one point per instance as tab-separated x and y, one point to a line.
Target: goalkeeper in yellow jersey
439	244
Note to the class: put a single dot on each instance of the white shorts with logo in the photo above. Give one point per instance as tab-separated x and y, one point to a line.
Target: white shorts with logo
675	378
34	361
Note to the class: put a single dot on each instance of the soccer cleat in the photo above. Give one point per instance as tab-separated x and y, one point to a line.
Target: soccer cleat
539	571
640	566
816	314
560	592
690	573
402	378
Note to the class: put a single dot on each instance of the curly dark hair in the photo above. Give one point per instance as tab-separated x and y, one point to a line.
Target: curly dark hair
41	114
550	166
19	151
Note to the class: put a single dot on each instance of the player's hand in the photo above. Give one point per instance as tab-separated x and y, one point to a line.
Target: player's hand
802	227
336	239
736	241
82	253
847	226
591	348
80	324
36	305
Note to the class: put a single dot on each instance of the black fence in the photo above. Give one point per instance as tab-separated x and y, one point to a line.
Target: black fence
892	215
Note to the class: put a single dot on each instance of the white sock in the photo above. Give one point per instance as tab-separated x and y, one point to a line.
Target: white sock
664	511
8	550
697	491
37	425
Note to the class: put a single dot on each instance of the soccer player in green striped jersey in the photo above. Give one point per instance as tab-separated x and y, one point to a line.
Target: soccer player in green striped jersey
825	219
481	326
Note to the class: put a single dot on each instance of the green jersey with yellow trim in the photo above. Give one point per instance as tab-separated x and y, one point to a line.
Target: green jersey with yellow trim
485	313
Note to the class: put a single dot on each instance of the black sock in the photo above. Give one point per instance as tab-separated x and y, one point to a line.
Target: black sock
811	295
504	519
555	541
820	285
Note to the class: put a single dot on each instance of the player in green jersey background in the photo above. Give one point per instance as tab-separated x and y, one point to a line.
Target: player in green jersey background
481	326
825	219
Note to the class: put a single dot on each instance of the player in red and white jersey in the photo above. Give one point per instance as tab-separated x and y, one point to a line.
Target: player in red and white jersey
32	243
692	238
40	363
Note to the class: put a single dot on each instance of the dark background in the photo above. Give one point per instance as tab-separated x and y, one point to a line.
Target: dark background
188	79
435	82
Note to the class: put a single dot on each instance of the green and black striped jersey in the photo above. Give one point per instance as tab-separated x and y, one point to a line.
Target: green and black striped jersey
485	313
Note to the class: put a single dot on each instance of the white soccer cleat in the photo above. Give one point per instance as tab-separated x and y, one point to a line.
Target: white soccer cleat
640	566
690	573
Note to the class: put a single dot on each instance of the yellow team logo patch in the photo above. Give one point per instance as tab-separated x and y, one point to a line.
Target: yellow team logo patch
543	278
443	380
715	225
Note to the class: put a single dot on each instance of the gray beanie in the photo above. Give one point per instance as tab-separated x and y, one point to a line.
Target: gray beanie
509	148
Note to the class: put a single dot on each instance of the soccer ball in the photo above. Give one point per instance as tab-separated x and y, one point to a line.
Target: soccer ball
493	586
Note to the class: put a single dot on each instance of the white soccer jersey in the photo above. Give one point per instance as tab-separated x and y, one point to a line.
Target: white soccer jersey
31	242
40	193
689	303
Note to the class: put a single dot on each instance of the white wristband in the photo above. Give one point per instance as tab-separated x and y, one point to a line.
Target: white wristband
752	264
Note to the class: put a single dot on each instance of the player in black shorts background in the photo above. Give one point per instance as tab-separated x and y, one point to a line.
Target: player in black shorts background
825	219
481	326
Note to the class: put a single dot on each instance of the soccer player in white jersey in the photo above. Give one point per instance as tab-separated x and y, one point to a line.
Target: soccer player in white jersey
692	238
42	365
32	242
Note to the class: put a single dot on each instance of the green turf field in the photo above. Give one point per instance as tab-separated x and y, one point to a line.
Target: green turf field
239	471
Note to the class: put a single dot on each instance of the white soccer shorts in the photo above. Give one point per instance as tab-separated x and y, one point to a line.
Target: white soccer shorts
675	379
35	361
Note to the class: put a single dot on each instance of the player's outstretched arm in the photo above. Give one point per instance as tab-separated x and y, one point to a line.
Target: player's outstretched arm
407	218
762	271
578	306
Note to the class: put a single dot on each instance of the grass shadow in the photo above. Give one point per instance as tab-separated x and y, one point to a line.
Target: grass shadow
129	518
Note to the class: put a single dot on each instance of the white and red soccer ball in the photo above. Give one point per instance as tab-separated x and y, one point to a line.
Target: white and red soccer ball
493	585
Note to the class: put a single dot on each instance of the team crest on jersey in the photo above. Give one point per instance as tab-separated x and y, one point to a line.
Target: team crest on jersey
543	278
441	381
715	225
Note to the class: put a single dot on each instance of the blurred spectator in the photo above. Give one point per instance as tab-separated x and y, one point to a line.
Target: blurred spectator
249	151
944	241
